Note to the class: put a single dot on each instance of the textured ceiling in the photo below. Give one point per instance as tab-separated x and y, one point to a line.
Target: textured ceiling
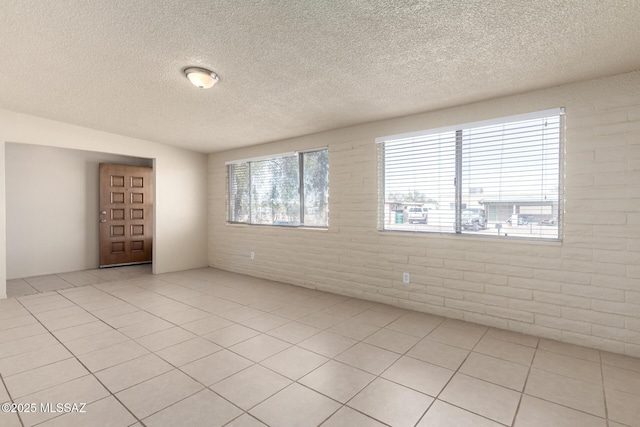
290	68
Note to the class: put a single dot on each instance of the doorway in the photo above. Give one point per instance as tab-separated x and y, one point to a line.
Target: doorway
126	215
53	206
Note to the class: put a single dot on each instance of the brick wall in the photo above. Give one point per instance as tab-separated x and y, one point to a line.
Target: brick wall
584	290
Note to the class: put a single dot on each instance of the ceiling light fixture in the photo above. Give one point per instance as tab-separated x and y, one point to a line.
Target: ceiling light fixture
201	77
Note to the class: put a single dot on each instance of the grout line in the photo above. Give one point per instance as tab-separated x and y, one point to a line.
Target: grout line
10	398
526	380
85	367
454	374
571	378
604	391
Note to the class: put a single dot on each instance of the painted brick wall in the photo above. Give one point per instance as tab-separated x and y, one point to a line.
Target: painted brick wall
584	290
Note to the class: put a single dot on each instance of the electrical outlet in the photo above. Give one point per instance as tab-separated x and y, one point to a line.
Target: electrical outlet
406	278
253	255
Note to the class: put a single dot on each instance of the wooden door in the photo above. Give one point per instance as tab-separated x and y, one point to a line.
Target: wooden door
126	214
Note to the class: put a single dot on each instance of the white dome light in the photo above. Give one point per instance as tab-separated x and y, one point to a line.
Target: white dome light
200	77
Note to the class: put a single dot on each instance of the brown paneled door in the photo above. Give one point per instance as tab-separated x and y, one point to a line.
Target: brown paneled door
126	214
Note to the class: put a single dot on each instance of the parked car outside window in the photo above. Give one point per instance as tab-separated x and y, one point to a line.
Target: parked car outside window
418	215
474	219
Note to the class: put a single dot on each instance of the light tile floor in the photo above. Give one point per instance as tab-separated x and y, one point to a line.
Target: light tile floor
212	348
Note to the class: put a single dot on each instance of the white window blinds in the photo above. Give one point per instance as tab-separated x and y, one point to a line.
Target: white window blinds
498	178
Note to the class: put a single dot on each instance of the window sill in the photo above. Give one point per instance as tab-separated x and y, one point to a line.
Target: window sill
471	237
294	227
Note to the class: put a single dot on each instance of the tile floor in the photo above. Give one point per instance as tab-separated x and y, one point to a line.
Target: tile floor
212	348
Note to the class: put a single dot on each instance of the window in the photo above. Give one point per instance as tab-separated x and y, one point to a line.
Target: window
290	189
494	178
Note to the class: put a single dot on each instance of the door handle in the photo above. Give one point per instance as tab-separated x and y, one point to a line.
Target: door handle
103	220
103	212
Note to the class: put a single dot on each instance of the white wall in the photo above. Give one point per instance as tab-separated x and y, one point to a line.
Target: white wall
584	290
180	215
52	199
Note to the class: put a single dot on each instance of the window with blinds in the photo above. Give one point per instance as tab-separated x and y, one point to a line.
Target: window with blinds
288	190
496	178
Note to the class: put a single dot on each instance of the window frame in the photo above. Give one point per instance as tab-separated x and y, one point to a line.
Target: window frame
300	155
460	205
